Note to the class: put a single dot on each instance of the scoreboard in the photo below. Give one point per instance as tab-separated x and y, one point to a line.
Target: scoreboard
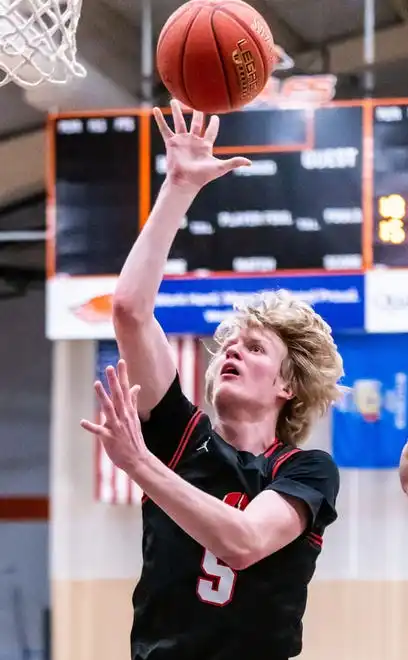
327	191
94	167
298	207
323	206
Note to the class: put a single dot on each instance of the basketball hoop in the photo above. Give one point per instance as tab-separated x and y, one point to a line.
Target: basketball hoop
285	62
38	42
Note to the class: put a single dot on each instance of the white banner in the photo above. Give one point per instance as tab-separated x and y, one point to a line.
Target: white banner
386	301
80	308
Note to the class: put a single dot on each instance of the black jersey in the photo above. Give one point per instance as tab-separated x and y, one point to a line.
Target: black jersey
188	605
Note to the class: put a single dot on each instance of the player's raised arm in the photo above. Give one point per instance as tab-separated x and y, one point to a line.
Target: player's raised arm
190	166
403	469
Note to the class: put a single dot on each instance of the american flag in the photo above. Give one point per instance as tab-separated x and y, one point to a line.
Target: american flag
113	486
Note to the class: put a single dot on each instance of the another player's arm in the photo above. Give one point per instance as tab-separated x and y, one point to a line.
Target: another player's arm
272	520
403	469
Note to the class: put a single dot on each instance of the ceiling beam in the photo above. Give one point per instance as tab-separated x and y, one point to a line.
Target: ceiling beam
283	34
24	174
108	49
110	42
347	55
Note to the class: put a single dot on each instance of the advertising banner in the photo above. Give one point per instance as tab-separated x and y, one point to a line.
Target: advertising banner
370	423
81	308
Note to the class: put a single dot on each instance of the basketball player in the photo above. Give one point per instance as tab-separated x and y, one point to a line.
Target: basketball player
403	469
234	511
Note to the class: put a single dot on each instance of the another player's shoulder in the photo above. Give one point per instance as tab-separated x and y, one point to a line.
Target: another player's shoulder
403	469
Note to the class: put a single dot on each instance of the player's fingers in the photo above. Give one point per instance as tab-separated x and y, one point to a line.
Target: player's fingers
212	129
106	404
162	125
96	429
134	393
197	123
233	164
116	392
178	117
124	382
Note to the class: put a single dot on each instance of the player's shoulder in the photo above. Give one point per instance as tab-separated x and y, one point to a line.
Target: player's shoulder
175	426
174	406
315	461
175	415
303	471
318	457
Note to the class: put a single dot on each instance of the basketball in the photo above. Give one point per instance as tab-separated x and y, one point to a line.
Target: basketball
215	55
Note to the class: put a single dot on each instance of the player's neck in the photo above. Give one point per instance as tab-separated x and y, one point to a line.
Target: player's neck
254	436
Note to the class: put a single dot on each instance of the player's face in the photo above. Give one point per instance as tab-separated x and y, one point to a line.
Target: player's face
248	371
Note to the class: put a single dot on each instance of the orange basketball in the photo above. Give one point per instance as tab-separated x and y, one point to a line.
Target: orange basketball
215	55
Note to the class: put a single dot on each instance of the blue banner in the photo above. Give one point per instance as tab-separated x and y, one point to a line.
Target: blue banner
107	354
370	423
197	306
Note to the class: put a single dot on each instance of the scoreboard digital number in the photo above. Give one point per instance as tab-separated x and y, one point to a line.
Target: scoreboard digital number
327	191
390	176
391	226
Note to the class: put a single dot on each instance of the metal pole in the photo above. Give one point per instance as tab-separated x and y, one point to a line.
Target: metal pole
369	46
147	66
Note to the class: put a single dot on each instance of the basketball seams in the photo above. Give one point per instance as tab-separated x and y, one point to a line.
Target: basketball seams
226	79
237	3
177	68
246	27
192	19
183	52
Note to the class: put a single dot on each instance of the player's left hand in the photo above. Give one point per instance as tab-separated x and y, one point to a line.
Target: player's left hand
121	433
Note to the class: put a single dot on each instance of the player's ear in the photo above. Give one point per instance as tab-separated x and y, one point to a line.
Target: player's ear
286	391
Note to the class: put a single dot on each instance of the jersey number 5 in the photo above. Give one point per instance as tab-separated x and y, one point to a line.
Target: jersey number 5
217	588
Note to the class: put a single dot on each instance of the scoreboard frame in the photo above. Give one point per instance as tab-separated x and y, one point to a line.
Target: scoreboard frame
144	117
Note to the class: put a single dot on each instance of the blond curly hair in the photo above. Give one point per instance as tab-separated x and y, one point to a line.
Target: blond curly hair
312	368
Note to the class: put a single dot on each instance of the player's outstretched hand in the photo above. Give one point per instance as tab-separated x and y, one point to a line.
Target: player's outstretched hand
190	159
121	432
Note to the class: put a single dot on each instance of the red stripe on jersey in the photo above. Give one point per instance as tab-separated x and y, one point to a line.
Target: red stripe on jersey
274	446
316	538
283	460
192	424
185	439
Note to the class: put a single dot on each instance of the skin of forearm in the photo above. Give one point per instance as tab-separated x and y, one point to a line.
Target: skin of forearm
143	270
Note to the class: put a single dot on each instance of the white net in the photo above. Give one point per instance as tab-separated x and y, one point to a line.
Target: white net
38	42
285	62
